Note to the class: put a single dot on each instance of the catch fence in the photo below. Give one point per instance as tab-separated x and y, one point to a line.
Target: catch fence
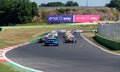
111	31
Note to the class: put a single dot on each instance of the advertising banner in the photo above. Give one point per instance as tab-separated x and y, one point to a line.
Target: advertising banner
60	18
86	18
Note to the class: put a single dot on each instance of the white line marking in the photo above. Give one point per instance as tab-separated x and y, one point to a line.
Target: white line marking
100	47
17	63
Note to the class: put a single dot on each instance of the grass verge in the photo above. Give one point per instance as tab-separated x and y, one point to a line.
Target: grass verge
7	68
90	37
89	27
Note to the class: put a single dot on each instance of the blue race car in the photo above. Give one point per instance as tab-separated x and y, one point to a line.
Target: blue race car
51	41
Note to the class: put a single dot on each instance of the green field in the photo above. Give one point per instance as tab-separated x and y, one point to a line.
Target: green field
52	26
7	68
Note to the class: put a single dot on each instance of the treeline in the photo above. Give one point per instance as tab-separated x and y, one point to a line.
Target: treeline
17	11
114	4
56	4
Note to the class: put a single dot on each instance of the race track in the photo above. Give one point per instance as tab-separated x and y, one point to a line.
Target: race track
67	57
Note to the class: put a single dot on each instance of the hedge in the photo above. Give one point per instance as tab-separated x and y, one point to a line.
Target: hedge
111	44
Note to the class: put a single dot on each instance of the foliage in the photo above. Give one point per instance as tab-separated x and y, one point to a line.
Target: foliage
43	5
61	11
71	3
56	4
43	15
52	4
17	11
114	3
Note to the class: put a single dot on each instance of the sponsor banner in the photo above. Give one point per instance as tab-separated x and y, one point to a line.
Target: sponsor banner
60	18
86	18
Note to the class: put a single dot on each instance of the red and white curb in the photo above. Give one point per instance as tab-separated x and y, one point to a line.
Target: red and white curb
2	51
3	58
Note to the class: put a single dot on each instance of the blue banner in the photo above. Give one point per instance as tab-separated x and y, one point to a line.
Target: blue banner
60	18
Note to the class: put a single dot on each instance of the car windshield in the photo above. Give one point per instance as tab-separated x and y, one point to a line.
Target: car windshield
51	39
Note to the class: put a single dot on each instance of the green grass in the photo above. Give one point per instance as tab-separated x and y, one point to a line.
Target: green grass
90	36
111	44
4	44
7	68
52	26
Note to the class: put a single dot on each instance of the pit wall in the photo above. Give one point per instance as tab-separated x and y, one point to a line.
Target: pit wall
111	44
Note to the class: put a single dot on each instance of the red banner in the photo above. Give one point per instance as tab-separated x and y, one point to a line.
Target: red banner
86	18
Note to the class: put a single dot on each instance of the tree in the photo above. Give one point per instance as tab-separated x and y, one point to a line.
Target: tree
71	3
56	4
52	4
114	3
34	9
42	5
75	4
60	4
17	11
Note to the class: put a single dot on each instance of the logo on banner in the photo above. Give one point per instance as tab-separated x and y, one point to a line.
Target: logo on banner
53	18
59	18
86	18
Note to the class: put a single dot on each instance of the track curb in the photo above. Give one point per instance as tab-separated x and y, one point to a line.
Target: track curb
4	59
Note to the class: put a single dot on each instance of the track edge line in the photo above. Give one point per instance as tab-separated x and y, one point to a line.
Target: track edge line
110	52
4	55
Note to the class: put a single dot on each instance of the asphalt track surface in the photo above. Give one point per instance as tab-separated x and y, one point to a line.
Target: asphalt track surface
79	57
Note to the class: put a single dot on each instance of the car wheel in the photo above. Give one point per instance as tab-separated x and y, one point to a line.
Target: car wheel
74	41
46	44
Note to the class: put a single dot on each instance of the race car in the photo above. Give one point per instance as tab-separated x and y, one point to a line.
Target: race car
42	39
51	41
55	34
70	39
67	34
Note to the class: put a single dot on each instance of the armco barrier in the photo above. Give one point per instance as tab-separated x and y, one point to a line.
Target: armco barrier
113	45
